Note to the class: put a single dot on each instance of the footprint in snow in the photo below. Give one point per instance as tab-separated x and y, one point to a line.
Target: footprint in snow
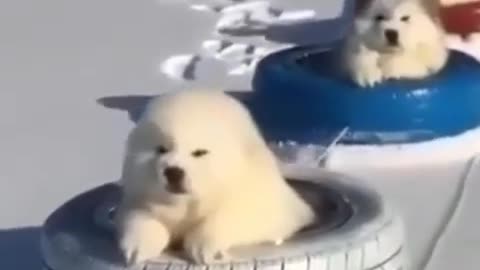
237	59
235	16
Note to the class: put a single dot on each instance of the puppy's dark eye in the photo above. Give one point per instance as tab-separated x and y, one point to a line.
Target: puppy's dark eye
405	18
380	18
199	153
160	150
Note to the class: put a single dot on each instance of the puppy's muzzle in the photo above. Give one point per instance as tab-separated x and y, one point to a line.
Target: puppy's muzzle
175	179
392	37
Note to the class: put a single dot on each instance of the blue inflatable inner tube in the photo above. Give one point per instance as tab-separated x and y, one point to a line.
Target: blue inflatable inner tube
301	95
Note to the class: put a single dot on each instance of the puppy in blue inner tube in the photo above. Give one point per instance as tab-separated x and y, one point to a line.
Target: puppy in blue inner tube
395	39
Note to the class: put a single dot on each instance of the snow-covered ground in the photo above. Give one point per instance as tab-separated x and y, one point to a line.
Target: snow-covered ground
73	75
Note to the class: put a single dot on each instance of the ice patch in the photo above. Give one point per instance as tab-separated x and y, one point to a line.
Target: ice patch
175	66
246	7
247	67
261	19
231	20
212	46
234	52
258	15
200	7
240	70
264	51
290	16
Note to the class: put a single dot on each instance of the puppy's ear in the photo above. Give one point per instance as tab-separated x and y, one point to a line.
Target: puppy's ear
432	7
144	136
137	158
361	5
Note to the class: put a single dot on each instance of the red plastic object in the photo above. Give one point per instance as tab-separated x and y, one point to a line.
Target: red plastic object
461	19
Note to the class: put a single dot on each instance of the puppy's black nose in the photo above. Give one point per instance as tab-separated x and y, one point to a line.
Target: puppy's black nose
392	37
174	177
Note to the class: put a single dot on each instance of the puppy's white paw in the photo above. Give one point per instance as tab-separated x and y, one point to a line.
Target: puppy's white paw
363	67
142	238
203	250
367	76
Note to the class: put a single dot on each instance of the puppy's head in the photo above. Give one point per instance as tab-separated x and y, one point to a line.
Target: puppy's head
191	143
397	25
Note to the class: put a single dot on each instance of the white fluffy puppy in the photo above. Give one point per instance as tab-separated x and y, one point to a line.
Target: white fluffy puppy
198	171
395	39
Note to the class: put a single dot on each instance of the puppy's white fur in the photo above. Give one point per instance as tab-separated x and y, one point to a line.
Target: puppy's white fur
233	195
421	50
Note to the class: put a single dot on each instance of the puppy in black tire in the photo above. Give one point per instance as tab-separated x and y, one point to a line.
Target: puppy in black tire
197	171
